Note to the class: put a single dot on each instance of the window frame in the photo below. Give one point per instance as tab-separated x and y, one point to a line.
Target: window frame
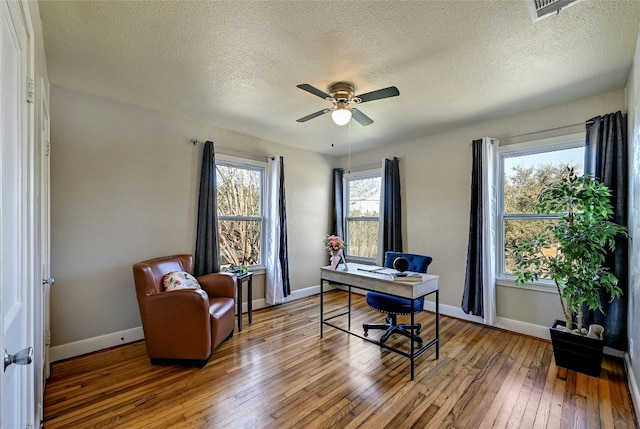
532	147
251	165
360	175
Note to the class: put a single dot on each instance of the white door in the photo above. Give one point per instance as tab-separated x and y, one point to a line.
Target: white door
17	398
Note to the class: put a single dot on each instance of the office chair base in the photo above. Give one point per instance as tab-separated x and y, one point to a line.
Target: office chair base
392	327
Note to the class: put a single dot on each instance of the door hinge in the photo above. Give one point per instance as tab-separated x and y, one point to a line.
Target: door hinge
31	90
47	338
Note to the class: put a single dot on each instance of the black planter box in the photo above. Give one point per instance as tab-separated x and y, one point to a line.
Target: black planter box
576	352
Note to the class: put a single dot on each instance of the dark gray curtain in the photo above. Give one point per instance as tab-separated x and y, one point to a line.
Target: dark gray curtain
472	297
338	203
284	254
207	240
391	207
606	158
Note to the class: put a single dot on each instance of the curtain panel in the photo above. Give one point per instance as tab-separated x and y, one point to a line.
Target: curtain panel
472	295
277	259
478	297
338	203
391	210
207	240
606	157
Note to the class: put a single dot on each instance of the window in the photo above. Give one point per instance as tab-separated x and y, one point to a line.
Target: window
524	169
240	190
362	203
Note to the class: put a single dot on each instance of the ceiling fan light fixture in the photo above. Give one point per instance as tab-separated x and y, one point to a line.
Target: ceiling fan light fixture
341	115
344	100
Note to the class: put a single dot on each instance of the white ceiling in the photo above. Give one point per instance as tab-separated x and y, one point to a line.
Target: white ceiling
236	64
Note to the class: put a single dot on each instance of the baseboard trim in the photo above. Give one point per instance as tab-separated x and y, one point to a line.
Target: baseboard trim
307	292
503	323
77	348
90	345
633	387
450	310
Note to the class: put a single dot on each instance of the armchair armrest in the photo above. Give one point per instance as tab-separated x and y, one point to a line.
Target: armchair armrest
179	310
183	305
219	284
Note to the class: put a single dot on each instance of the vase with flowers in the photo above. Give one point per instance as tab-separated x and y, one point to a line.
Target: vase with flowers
335	246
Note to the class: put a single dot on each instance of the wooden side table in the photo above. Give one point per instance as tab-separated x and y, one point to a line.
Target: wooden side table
240	280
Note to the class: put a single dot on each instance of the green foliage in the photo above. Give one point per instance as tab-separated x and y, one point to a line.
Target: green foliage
521	191
582	237
236	269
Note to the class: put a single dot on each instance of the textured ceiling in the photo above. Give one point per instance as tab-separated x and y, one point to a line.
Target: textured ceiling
236	64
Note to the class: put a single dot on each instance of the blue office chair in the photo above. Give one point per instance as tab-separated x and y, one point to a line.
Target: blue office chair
394	306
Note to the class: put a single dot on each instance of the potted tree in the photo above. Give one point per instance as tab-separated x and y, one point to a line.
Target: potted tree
572	253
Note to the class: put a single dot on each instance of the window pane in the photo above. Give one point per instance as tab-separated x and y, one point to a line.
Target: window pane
238	191
517	230
239	242
525	176
364	197
363	238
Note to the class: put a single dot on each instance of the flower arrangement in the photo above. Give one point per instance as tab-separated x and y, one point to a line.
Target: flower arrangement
333	242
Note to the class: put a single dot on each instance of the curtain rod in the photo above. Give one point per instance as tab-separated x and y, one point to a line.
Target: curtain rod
229	149
589	122
363	167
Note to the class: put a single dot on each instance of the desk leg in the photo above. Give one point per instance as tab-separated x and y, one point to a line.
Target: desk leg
437	326
349	311
412	358
239	283
321	306
250	298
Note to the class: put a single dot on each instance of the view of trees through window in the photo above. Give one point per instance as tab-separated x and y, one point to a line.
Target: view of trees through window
524	178
363	213
239	196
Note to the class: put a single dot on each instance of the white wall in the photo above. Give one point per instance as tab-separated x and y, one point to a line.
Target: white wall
436	183
633	122
124	189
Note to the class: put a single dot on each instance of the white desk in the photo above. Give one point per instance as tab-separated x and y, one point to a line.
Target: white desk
359	277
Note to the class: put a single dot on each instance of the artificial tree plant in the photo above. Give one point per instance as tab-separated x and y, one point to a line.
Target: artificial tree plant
572	251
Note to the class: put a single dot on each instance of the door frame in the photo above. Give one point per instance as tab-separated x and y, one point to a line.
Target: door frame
43	268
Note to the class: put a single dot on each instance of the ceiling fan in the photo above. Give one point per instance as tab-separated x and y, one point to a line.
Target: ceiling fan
341	94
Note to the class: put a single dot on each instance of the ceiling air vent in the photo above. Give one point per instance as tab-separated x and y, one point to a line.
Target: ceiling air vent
540	9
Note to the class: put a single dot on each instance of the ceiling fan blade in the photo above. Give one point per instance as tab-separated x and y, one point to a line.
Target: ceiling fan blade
314	115
362	119
313	90
392	91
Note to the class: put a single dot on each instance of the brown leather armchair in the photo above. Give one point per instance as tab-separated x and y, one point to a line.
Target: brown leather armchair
185	323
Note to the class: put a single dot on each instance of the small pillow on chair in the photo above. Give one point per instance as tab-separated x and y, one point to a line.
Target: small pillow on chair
179	280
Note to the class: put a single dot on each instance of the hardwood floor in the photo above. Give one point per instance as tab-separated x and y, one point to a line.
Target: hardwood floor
278	373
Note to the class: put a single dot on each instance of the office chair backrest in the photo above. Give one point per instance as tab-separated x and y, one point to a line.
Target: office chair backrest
417	263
